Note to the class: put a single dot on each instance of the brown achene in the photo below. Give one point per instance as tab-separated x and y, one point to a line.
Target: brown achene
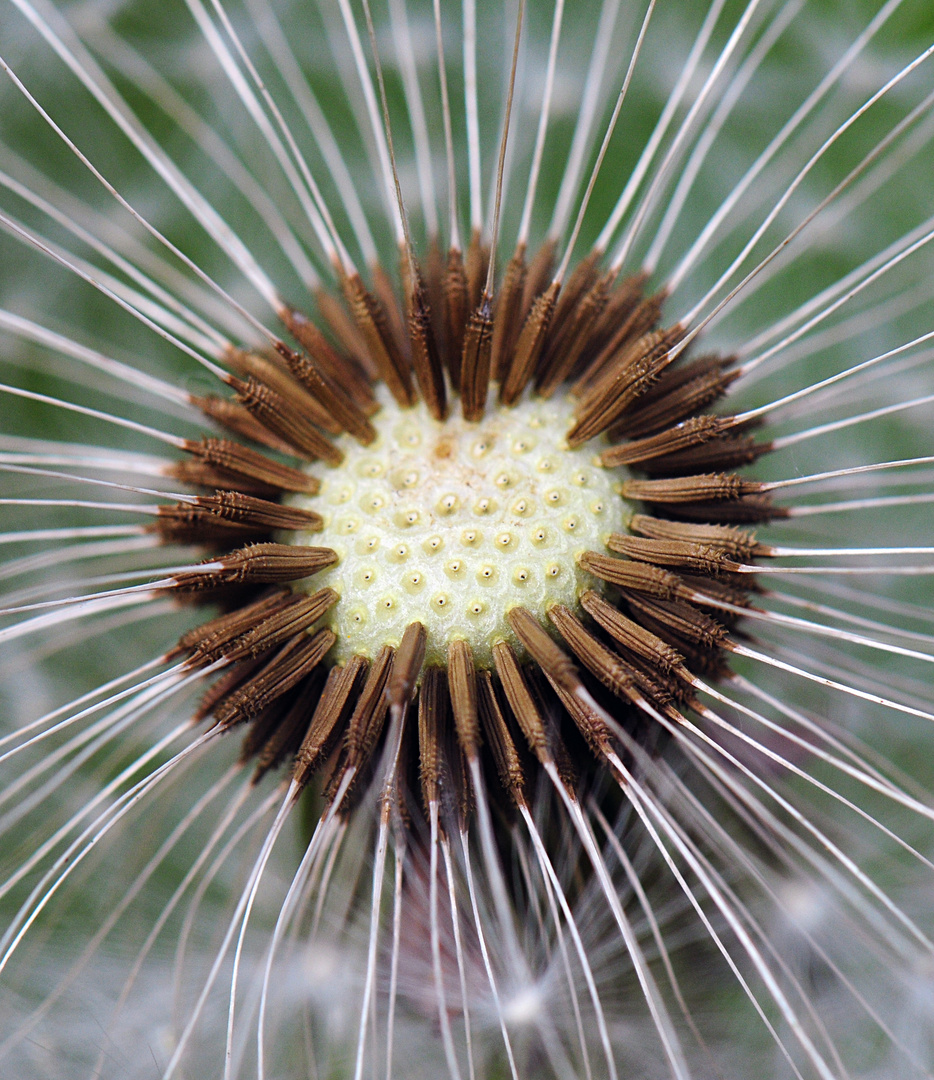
664	595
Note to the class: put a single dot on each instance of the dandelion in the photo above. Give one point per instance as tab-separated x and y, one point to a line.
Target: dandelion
453	622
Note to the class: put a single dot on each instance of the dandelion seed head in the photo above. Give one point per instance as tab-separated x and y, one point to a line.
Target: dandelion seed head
526	1007
548	763
806	904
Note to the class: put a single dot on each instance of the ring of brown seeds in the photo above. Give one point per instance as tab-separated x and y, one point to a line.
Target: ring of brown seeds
647	610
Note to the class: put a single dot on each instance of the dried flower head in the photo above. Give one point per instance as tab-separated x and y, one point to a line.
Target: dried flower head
502	454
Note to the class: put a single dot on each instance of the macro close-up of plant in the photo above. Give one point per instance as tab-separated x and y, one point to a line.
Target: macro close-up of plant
465	568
